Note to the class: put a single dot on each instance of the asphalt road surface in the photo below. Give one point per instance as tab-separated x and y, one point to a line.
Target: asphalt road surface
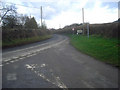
54	63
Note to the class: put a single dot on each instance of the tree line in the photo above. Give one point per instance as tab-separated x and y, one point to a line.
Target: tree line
19	29
109	30
12	20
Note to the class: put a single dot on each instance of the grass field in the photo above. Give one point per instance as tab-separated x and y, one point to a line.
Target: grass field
17	42
103	49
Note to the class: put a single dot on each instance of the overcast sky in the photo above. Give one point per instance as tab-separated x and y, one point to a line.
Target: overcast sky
58	13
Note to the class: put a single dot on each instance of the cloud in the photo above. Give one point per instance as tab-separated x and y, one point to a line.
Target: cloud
66	0
94	14
64	12
65	18
119	9
101	14
48	12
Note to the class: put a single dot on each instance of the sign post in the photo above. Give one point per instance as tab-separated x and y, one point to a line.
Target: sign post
73	30
79	31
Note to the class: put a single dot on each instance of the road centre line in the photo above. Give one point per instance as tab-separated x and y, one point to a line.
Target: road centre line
56	81
25	48
33	53
30	47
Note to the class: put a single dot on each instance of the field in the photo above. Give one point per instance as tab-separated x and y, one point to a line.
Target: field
103	49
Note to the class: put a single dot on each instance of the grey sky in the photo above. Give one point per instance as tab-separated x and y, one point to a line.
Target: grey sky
66	12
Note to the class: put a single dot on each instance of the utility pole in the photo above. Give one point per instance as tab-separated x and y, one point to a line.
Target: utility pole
41	15
59	26
83	20
30	16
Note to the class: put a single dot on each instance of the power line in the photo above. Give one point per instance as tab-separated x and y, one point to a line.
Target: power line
20	5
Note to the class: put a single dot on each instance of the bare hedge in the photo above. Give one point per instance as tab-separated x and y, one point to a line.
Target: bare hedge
11	34
109	30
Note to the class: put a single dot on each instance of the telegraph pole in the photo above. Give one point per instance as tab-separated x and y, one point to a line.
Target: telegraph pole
83	20
59	26
41	15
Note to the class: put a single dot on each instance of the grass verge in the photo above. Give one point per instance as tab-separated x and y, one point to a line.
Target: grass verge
103	49
23	41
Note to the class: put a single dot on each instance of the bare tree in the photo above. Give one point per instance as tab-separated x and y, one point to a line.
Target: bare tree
22	19
5	9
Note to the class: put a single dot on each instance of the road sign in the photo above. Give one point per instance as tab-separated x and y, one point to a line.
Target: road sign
79	31
73	29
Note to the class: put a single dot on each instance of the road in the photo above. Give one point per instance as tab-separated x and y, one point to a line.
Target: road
54	63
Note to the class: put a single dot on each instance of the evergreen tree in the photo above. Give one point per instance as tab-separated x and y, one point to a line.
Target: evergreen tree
27	22
31	23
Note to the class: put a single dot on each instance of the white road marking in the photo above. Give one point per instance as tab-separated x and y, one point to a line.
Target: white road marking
11	76
42	65
21	58
86	83
56	81
14	57
24	49
7	60
32	53
48	80
23	55
12	61
40	75
28	66
35	71
7	63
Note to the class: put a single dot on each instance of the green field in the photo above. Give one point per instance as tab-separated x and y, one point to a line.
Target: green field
103	49
17	42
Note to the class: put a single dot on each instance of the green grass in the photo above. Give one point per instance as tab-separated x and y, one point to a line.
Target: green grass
17	42
103	49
